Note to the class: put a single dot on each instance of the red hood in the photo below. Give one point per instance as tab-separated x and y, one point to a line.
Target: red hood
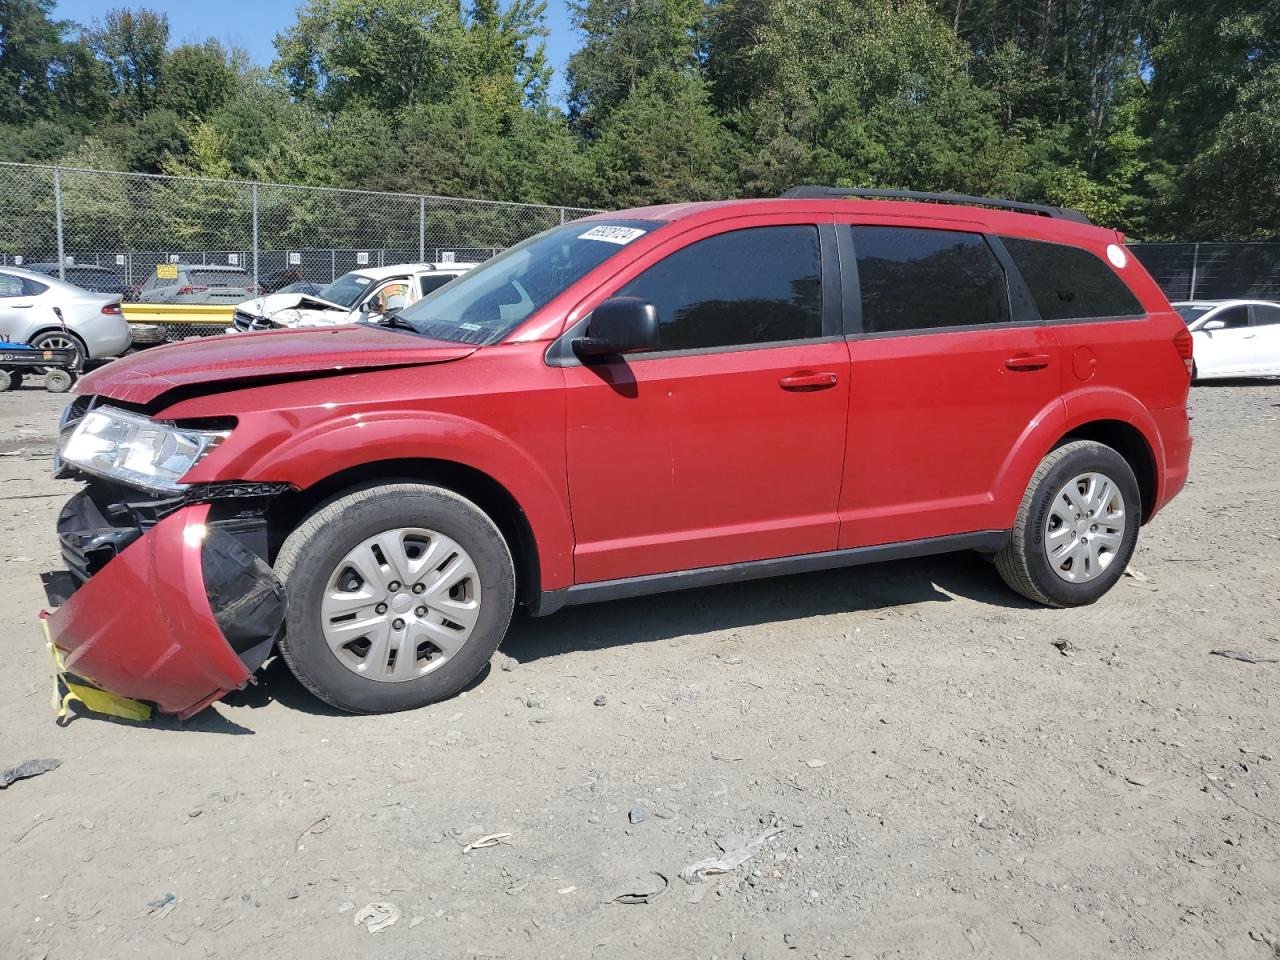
142	377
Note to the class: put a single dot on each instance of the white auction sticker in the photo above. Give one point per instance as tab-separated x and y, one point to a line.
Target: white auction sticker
619	235
1117	256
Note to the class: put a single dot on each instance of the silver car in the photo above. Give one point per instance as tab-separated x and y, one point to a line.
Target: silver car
197	283
92	325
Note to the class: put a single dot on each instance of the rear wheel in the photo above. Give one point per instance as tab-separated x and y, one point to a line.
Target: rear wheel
58	381
398	595
9	381
62	340
1076	527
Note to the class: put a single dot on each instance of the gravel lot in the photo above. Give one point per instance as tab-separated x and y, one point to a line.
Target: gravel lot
948	783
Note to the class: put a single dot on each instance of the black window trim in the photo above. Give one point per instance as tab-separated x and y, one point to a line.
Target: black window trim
1117	318
1022	308
560	352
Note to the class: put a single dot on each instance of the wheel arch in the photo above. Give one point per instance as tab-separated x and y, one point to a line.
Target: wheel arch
1130	442
475	485
54	328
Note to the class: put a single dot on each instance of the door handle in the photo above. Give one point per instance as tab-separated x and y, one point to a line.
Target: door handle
1028	361
23	306
808	381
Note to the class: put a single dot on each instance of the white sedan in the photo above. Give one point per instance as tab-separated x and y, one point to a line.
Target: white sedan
1233	338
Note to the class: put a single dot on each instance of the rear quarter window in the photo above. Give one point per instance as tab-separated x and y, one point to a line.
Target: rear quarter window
1070	283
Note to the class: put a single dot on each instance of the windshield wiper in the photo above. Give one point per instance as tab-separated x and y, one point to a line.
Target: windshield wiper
394	322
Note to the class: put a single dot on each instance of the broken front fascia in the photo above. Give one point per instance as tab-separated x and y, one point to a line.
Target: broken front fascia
166	599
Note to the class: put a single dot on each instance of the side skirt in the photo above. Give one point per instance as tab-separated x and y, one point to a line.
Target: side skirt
549	601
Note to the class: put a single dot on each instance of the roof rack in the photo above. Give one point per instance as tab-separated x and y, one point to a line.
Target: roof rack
816	192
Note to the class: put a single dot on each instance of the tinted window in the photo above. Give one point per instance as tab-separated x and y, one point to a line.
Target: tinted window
914	279
1265	314
1068	283
760	285
1232	318
434	282
33	288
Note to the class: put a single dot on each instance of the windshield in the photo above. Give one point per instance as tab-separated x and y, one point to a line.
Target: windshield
491	300
1191	314
346	290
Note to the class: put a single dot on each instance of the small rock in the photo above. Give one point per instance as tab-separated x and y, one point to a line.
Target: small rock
637	814
194	813
1137	781
1063	646
815	764
600	701
507	663
453	737
417	920
292	894
535	700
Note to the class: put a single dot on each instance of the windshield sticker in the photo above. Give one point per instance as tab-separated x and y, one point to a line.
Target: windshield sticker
618	235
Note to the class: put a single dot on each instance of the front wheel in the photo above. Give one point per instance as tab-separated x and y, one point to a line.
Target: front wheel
1076	527
398	595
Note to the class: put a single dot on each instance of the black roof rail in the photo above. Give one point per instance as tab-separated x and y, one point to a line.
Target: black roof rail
810	192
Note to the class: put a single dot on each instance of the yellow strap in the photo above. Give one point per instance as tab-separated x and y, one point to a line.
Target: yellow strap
99	701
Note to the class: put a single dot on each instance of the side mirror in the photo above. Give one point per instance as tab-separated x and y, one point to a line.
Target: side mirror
1215	325
618	326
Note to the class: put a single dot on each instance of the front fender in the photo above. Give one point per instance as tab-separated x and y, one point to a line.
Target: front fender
306	455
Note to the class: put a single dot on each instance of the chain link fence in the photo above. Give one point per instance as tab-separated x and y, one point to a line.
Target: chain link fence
1214	271
111	231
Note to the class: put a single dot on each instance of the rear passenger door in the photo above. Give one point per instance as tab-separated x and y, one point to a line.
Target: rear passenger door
949	366
1266	342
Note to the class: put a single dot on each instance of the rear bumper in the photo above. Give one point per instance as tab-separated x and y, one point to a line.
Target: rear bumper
180	616
1175	437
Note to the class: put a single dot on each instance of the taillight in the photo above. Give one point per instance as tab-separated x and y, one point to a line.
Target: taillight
112	310
1183	343
182	290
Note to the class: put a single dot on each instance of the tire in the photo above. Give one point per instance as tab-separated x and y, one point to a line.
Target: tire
58	381
316	557
1025	563
59	340
8	381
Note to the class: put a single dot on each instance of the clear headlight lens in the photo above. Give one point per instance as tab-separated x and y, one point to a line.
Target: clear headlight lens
136	450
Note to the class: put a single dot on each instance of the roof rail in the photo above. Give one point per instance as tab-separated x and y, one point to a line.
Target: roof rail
1043	210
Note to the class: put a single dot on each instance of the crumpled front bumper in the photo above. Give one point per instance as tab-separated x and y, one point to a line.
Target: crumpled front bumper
181	612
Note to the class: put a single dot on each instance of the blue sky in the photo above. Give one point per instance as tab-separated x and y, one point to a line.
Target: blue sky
252	25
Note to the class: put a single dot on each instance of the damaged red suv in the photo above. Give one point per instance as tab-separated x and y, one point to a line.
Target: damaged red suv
636	402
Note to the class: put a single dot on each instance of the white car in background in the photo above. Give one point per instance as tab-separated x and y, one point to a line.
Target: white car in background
1233	338
370	294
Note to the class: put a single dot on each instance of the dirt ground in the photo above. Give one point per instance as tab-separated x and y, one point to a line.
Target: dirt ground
948	783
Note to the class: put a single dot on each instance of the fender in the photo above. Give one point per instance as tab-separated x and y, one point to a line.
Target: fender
1075	409
317	451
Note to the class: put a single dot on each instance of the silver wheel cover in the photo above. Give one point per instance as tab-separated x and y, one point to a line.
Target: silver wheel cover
400	604
1084	527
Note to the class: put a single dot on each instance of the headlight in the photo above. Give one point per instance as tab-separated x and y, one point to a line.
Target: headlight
132	449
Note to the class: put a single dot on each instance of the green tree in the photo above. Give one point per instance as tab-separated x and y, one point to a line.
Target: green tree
42	75
131	44
625	42
197	79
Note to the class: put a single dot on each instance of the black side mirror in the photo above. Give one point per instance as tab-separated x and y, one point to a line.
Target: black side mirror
620	325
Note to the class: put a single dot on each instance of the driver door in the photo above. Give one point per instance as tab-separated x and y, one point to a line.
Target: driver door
1228	350
726	444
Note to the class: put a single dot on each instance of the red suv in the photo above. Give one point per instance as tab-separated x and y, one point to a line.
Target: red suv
640	401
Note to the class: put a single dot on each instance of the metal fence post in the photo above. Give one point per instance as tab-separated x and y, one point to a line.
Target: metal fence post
57	215
1195	268
562	216
257	289
422	229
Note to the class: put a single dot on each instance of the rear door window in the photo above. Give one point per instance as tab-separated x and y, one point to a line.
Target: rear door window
1265	314
11	286
757	285
920	279
1232	318
1070	283
433	282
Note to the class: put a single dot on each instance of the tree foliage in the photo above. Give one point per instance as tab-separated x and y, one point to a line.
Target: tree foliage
1161	117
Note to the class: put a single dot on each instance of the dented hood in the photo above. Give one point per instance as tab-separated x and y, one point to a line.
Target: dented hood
273	355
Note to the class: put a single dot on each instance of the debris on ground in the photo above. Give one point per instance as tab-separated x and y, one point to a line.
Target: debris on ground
377	916
507	663
1242	656
815	764
730	861
1136	575
644	889
24	771
535	700
162	907
491	840
637	814
1063	646
1137	781
600	700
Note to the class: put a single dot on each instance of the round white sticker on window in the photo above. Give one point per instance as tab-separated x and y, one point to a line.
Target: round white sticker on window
1117	256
